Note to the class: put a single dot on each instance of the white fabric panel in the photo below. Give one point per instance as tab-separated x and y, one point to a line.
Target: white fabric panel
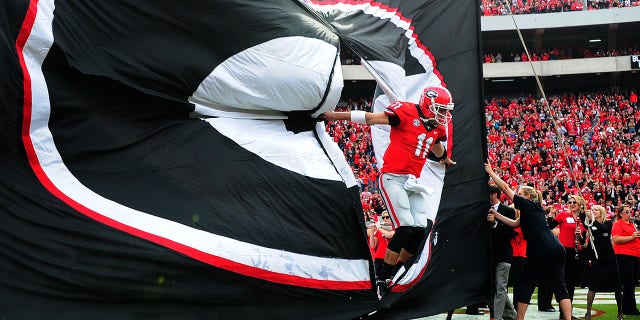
416	83
380	141
62	182
229	112
433	177
393	75
284	74
270	140
335	92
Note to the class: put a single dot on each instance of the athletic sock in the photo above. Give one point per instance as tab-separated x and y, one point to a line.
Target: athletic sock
386	271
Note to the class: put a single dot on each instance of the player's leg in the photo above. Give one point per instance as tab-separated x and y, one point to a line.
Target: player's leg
397	202
421	223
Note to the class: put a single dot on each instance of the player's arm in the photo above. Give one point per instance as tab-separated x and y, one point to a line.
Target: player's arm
357	116
441	154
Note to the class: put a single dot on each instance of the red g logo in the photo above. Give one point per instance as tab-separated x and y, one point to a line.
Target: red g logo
431	94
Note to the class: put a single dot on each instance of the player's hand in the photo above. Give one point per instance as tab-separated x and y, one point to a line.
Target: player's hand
328	116
448	161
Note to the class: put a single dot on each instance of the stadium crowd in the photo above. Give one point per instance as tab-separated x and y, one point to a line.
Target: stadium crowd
500	7
354	139
590	146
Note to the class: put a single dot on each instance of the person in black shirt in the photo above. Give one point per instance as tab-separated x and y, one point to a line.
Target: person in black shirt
544	251
603	270
502	234
545	292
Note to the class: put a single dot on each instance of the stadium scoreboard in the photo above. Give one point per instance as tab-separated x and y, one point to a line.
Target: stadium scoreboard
635	62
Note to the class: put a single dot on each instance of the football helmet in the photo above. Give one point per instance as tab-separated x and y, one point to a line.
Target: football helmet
436	102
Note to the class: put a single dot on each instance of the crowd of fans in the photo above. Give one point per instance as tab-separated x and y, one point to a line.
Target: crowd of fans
561	53
501	7
577	143
590	146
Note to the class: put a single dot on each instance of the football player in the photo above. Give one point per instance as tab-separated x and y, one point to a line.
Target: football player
416	134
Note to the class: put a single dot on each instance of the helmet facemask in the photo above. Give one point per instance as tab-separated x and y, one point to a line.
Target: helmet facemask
441	112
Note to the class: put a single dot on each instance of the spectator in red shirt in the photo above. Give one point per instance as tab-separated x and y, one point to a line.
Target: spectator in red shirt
626	245
572	239
379	236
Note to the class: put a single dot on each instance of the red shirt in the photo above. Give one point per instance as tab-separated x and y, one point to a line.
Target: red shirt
410	141
622	228
567	225
518	244
381	248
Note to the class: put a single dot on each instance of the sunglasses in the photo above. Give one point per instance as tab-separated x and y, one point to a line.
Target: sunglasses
385	217
571	202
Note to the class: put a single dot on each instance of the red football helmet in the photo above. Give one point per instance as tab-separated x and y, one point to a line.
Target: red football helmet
436	102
